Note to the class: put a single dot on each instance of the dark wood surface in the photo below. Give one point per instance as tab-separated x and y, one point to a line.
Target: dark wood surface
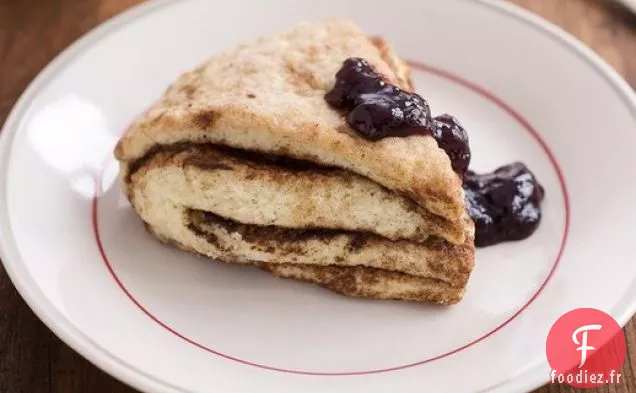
32	32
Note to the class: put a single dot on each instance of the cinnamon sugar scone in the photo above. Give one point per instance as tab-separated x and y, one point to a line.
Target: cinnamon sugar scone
243	161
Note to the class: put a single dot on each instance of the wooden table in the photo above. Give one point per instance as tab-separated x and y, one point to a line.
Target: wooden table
32	32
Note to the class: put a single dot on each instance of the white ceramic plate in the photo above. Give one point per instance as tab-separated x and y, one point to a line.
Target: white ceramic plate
163	321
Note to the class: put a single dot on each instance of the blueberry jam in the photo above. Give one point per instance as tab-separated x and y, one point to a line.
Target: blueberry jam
505	205
453	139
377	109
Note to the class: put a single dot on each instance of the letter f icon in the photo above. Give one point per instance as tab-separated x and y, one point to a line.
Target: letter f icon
583	344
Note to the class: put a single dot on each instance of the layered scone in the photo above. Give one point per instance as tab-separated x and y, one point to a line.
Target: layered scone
252	158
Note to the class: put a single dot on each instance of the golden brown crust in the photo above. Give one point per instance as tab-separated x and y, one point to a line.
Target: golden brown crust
268	95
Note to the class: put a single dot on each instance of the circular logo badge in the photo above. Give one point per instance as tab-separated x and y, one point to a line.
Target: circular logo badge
586	348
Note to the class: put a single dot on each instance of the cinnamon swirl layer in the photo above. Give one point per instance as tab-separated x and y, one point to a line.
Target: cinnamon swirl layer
300	220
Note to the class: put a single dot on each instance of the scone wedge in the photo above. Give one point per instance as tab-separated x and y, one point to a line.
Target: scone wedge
243	161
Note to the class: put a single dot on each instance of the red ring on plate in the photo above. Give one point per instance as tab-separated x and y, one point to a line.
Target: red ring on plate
453	78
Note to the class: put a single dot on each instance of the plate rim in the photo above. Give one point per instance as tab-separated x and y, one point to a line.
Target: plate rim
100	357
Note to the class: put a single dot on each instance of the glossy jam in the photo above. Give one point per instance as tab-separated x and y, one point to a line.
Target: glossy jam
377	109
505	205
453	139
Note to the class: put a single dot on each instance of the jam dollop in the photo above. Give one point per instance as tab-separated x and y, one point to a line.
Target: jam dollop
377	109
453	139
505	205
